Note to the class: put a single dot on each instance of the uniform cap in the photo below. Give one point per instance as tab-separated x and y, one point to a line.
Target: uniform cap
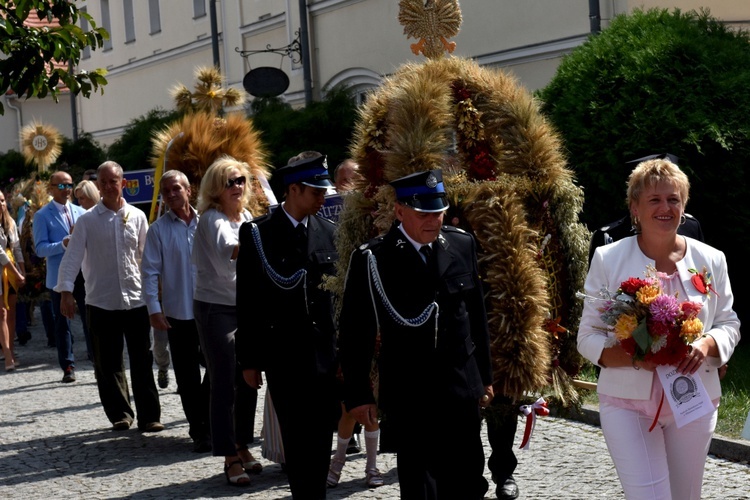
422	191
309	171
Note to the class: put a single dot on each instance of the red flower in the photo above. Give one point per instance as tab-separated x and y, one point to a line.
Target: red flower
671	354
629	346
632	285
690	309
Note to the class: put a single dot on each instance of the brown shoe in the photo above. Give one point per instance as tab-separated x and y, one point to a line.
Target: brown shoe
152	427
121	425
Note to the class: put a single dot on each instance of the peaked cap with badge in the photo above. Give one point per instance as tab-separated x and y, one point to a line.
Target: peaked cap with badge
422	191
311	172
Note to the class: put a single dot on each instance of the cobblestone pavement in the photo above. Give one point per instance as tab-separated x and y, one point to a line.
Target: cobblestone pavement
55	441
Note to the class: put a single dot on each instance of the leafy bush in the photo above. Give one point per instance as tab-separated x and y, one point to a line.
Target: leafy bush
13	167
325	126
657	81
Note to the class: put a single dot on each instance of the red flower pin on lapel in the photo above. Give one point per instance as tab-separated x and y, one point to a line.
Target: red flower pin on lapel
702	281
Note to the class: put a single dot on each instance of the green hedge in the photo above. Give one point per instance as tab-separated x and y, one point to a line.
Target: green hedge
658	81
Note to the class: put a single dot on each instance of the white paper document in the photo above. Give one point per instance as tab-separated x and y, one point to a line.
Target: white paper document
686	395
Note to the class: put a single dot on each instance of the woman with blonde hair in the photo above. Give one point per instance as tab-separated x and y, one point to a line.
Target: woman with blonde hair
11	260
654	457
87	194
224	194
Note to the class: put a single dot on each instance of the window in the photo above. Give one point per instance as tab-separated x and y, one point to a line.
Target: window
199	8
153	12
106	24
129	21
86	53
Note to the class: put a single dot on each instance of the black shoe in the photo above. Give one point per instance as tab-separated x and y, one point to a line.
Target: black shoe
163	379
202	445
70	375
508	489
24	337
354	446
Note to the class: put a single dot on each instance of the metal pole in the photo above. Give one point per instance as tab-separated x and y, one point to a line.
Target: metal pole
73	111
305	48
214	34
595	18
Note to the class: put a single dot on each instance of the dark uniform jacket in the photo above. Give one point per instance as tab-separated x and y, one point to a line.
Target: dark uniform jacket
622	228
412	361
287	325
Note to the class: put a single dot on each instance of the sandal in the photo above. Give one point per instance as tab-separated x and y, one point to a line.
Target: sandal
334	472
238	479
373	478
253	466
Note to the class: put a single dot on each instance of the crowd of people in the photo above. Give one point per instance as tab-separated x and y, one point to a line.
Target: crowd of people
245	298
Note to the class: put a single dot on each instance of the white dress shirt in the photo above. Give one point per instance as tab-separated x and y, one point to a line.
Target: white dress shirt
169	244
109	245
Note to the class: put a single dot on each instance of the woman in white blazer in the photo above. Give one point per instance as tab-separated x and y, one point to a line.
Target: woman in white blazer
666	463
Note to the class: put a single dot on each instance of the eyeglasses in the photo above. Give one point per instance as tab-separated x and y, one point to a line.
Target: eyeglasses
63	185
238	181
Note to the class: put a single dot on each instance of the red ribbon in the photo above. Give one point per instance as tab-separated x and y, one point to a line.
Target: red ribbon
531	411
658	412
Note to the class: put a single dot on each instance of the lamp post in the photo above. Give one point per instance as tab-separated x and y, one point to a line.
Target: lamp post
305	48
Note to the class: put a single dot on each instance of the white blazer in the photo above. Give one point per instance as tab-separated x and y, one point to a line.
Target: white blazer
614	263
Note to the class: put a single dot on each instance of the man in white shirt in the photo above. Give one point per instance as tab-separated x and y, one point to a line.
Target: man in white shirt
53	225
166	258
108	242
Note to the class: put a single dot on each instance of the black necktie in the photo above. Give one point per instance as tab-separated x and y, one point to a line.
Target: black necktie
426	251
301	231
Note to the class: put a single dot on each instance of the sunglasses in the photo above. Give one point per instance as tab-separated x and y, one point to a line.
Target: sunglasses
64	186
238	181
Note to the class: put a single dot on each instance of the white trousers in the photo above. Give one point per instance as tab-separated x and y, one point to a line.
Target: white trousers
666	463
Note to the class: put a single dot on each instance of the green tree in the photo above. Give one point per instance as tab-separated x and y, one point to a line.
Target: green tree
655	82
133	149
78	156
33	55
325	126
13	167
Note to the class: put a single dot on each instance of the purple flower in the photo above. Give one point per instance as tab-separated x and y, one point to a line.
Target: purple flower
664	309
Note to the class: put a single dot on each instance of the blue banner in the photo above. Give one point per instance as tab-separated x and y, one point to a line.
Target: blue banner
139	186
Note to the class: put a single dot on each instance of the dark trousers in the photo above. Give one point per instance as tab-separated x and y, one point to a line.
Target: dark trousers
187	359
425	470
306	407
109	331
233	402
63	335
48	320
79	294
502	422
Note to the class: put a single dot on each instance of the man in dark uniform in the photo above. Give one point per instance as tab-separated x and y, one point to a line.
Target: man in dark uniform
418	286
285	320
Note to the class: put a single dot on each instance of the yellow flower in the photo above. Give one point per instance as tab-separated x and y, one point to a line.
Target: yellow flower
691	329
625	325
647	294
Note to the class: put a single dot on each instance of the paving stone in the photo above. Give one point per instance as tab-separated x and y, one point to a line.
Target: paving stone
55	441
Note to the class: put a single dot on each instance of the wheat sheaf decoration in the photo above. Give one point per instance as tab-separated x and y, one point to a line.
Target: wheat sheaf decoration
192	143
507	184
431	22
41	144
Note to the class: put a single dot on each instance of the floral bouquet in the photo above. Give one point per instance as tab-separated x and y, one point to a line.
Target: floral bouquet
649	324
